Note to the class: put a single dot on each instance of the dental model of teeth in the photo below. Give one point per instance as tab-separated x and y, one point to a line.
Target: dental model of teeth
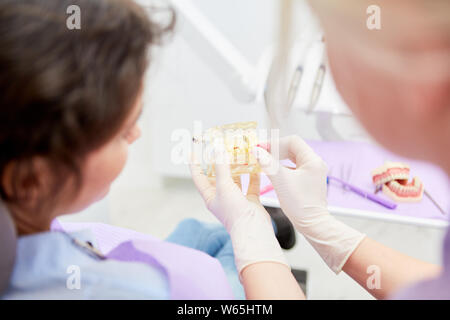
393	179
238	139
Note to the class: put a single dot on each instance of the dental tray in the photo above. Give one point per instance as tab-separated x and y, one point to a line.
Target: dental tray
362	158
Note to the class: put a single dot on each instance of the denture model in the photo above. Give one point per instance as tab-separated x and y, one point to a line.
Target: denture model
393	178
238	139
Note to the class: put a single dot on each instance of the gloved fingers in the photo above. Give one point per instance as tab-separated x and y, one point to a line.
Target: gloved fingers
291	147
279	149
298	151
222	169
203	184
269	165
254	186
264	144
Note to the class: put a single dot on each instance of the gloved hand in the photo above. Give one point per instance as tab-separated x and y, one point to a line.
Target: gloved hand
245	219
302	192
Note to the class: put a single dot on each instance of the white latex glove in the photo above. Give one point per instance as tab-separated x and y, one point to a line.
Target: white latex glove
245	219
302	192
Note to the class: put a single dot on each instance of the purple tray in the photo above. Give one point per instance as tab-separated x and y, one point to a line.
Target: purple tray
363	158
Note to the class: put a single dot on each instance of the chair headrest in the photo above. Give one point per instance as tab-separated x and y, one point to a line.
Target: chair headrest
8	243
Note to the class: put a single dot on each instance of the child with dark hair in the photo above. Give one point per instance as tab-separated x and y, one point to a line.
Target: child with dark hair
69	103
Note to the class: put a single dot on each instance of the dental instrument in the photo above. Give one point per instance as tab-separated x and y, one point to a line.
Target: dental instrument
386	203
426	193
434	202
318	83
295	84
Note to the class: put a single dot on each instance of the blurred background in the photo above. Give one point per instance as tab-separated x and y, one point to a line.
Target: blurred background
153	194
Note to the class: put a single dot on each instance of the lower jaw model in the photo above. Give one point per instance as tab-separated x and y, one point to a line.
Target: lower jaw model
393	177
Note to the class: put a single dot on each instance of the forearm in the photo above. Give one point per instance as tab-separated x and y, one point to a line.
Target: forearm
263	268
377	268
382	270
270	280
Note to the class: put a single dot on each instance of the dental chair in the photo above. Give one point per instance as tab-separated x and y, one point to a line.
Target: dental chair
8	243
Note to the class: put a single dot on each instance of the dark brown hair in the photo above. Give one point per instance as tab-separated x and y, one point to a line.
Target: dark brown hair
64	93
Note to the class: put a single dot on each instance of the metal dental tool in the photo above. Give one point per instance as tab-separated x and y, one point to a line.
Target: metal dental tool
425	192
318	83
434	202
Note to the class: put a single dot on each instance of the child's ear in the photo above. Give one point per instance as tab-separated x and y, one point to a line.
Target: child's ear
24	180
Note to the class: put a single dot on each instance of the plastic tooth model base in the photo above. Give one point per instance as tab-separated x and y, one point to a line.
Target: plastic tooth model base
238	139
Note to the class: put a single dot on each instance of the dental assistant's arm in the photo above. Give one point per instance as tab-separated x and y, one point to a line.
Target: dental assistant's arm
262	266
268	280
302	195
396	270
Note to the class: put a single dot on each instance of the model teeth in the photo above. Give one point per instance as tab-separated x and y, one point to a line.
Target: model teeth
238	139
393	178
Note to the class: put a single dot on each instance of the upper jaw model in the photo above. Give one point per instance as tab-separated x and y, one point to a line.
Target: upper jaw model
393	177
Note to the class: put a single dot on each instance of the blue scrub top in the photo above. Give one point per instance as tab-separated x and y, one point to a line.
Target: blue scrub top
49	264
